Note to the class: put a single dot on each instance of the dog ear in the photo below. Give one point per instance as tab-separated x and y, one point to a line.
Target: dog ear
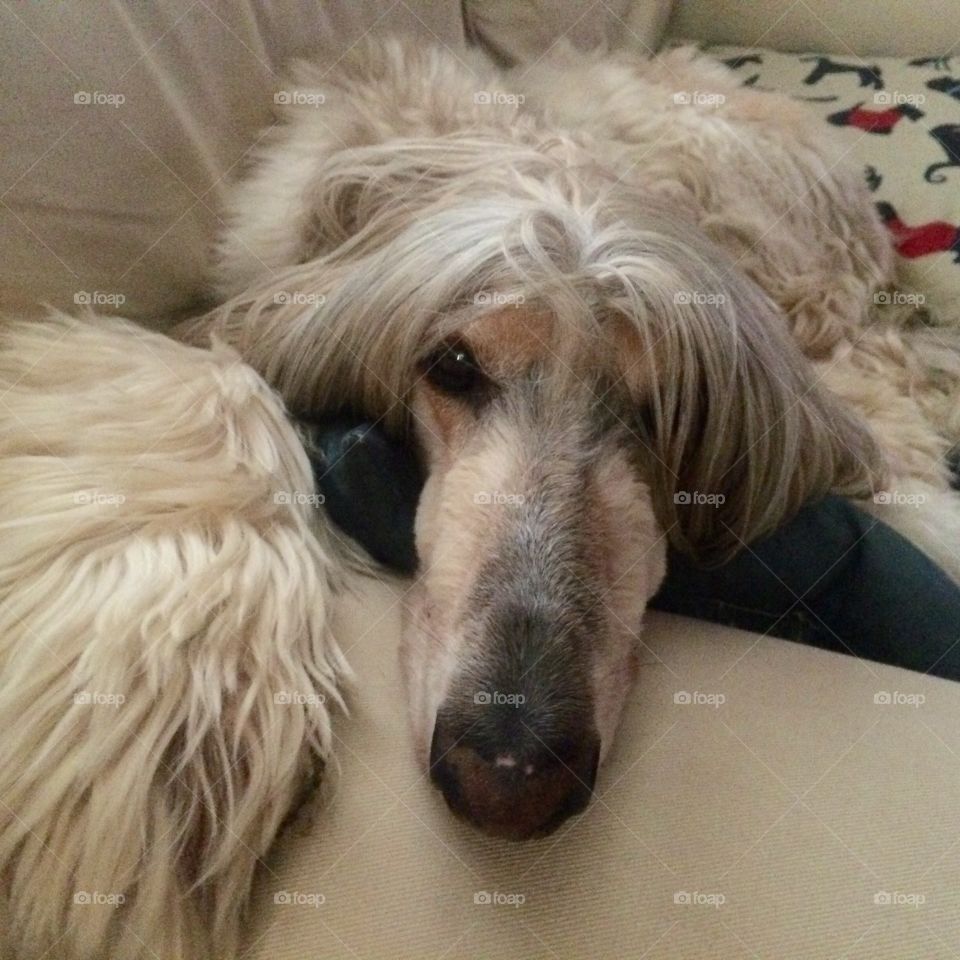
739	432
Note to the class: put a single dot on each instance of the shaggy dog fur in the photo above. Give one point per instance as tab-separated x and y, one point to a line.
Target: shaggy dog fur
705	266
163	638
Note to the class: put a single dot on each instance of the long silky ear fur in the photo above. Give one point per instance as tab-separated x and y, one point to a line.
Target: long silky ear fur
735	410
407	222
740	431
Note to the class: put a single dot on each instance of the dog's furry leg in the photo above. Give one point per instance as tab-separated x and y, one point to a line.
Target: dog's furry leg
165	660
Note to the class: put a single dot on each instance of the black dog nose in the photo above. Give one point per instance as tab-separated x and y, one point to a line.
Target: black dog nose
519	788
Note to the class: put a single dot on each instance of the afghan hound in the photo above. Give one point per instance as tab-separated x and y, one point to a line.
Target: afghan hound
613	302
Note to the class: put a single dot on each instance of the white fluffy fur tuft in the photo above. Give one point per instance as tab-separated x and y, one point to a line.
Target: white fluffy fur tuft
165	659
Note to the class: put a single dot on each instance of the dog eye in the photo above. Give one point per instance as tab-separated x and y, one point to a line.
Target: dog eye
453	369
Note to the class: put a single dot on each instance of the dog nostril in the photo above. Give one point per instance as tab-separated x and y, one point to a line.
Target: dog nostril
512	792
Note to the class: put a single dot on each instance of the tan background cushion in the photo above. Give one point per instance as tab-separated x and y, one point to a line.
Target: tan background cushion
798	800
115	198
119	197
521	32
865	27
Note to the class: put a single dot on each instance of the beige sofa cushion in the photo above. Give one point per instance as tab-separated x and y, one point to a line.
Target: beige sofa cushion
520	31
125	123
866	27
772	815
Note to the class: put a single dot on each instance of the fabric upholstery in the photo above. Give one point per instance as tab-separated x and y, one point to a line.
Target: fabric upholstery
864	28
125	123
764	799
522	32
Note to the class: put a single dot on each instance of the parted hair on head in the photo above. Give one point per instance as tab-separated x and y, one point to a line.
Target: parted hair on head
730	405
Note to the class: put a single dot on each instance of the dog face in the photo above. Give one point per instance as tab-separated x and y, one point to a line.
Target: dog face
588	376
538	550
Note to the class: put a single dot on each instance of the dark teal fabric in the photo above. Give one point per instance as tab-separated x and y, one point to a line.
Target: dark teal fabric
833	577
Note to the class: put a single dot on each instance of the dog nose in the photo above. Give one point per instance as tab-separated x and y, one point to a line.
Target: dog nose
517	790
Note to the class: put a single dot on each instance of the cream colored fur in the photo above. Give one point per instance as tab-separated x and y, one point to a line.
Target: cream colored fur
165	658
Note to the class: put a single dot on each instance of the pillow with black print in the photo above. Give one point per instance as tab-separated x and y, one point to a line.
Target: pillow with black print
902	118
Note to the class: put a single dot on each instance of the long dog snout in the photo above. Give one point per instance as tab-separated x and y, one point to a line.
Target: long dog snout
514	749
539	548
